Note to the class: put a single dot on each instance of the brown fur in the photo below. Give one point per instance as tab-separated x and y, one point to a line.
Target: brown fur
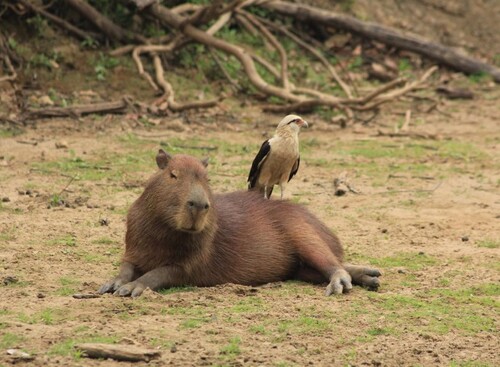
178	233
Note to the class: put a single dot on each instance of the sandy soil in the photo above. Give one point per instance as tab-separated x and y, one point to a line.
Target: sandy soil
446	216
428	217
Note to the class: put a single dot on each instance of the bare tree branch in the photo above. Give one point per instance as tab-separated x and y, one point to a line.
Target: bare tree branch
387	35
58	21
276	44
112	30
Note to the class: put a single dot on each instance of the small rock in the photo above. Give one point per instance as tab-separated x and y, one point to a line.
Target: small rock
401	271
45	101
5	199
340	192
28	192
104	222
18	354
465	238
383	230
421	253
173	348
61	144
9	279
40	295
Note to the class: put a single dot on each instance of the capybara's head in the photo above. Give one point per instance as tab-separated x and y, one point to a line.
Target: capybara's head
180	193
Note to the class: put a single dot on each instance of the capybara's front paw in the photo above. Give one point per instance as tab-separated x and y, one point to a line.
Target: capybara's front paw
133	289
340	282
111	285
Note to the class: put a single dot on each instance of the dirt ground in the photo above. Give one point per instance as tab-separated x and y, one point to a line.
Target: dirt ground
427	215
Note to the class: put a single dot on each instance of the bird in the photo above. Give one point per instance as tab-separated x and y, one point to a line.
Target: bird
278	158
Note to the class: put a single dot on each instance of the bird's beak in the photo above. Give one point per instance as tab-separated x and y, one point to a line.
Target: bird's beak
303	123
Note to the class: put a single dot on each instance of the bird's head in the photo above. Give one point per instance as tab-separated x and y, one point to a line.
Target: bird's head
292	123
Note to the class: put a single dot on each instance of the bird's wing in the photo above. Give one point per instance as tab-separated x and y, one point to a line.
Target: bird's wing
257	163
295	168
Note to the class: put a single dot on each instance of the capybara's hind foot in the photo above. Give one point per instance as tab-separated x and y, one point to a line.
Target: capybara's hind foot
364	276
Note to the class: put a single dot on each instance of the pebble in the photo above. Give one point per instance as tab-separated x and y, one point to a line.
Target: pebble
61	144
9	279
104	222
465	238
5	199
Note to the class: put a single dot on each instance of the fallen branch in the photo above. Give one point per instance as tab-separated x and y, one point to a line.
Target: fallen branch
397	93
387	35
408	134
111	30
86	295
169	91
118	352
314	52
58	21
233	82
276	44
78	110
176	22
12	71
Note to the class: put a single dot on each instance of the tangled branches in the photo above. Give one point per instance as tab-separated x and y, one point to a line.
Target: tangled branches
188	23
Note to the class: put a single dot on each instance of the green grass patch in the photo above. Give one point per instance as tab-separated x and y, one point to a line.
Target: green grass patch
67	286
311	321
10	340
379	331
249	304
162	343
172	290
66	240
48	316
9	132
232	349
489	243
259	329
435	313
470	363
67	347
194	323
104	241
409	260
8	234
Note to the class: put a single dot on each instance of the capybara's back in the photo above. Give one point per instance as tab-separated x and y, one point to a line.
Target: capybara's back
178	233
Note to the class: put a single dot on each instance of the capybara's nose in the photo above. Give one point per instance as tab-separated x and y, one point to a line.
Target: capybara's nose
198	205
198	200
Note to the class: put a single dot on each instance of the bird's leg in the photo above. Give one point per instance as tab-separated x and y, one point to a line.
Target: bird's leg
282	191
265	192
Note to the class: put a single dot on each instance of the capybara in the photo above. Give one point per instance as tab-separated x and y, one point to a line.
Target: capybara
179	233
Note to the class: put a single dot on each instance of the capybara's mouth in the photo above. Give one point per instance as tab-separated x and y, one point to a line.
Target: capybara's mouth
190	230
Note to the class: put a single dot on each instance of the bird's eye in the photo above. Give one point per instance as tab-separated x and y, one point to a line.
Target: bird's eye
293	121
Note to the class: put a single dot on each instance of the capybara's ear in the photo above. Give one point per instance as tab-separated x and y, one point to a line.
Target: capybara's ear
204	161
162	159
